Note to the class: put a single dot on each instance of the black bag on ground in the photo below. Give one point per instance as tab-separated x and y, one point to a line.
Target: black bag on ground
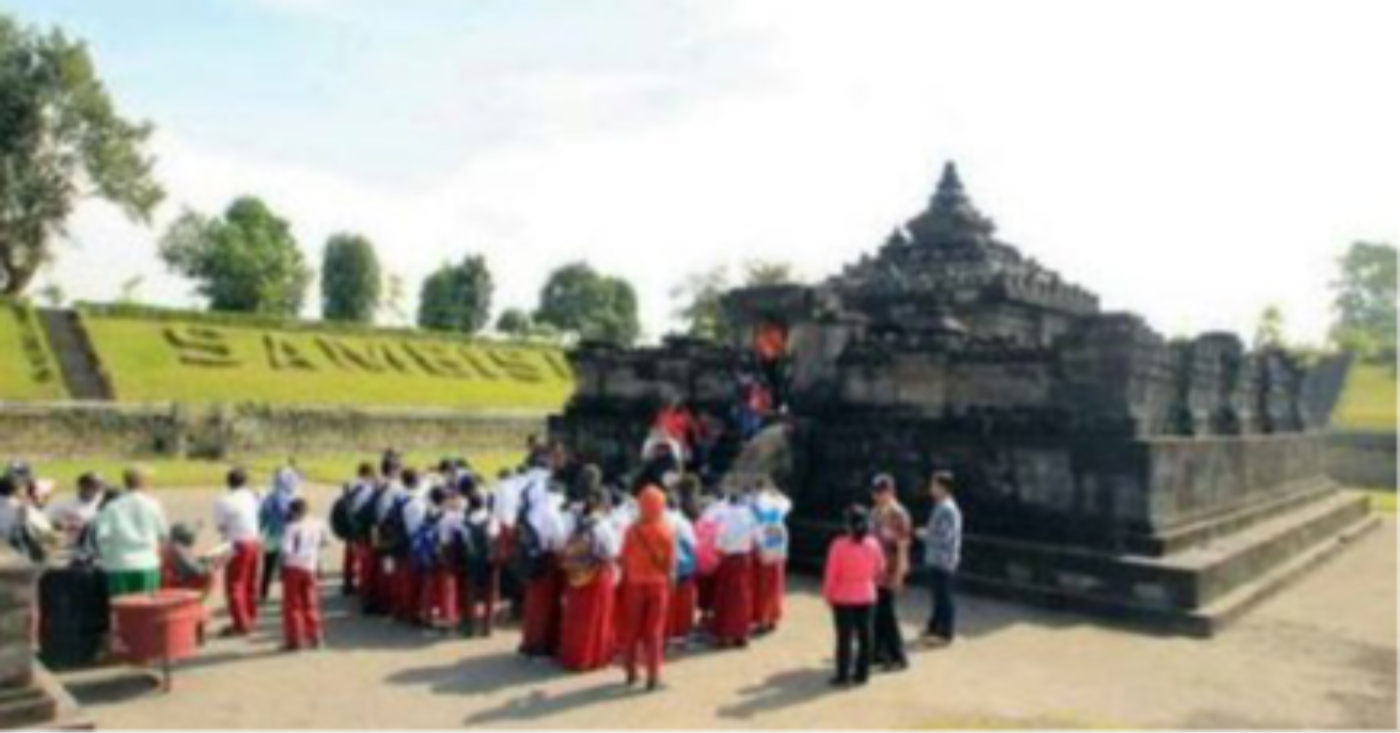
74	604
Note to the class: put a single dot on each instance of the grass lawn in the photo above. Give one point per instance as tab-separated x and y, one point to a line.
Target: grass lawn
1382	500
203	361
1368	402
169	473
27	370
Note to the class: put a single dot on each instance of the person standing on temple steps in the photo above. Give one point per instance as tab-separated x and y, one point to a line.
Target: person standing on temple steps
894	530
942	553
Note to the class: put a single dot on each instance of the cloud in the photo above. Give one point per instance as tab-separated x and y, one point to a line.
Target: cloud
1193	171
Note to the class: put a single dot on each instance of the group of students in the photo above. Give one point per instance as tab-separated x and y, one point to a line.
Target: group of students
632	572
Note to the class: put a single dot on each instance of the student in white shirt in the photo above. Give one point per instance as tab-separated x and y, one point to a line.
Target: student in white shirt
236	519
302	542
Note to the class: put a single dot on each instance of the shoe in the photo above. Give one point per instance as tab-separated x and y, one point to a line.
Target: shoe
289	648
653	684
631	679
839	682
229	632
899	666
860	681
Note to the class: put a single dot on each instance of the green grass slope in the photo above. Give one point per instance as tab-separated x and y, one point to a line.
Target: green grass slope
155	355
28	370
1368	401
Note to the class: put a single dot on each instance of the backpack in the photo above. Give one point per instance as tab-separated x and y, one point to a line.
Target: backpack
772	536
343	513
394	538
527	559
473	549
365	517
580	559
423	546
272	519
706	547
687	564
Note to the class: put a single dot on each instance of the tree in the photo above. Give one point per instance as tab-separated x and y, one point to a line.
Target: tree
246	261
769	272
1269	332
1365	302
515	322
597	307
61	140
351	282
701	304
457	297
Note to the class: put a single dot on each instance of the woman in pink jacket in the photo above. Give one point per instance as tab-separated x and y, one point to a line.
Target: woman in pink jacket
853	565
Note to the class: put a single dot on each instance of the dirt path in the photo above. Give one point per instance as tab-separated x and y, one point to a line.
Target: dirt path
1321	654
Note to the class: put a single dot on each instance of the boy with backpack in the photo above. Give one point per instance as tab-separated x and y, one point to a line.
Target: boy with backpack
353	497
436	578
473	548
770	508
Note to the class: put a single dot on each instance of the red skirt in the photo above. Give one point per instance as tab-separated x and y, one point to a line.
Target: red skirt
680	620
543	595
589	641
733	599
770	584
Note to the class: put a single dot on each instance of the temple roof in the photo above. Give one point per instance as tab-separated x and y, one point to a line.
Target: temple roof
949	252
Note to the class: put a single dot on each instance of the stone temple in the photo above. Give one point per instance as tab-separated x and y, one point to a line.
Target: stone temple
1101	467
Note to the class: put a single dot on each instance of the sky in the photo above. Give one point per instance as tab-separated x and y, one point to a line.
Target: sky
1191	161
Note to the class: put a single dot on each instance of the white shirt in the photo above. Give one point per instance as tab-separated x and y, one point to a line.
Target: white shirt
681	526
236	515
546	514
505	504
415	511
737	529
73	514
387	499
360	493
302	543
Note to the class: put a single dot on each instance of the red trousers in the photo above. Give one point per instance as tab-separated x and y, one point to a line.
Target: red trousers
478	604
588	640
350	569
301	608
680	617
770	584
644	614
241	585
438	599
371	580
406	589
733	599
543	597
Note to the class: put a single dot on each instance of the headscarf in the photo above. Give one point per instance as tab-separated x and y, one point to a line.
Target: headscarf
651	522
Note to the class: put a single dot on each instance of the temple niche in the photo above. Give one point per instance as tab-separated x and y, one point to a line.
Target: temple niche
1100	465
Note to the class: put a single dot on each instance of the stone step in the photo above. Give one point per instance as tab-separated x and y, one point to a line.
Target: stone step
1177	539
26	707
77	362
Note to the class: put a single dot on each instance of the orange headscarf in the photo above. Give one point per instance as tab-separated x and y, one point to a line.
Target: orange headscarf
649	552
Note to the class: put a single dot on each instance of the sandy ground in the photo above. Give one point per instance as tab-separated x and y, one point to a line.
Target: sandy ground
1321	654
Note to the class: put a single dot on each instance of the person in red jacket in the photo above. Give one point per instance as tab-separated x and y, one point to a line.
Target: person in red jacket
648	566
853	565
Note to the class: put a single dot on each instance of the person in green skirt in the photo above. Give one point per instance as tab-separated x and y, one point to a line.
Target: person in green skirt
130	531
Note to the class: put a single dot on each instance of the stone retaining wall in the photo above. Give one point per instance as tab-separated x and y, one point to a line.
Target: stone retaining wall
63	430
1362	459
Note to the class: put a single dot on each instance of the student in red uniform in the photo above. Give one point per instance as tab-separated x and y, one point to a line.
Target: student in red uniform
356	494
236	518
437	592
474	548
648	566
535	555
302	542
770	508
680	622
733	601
586	641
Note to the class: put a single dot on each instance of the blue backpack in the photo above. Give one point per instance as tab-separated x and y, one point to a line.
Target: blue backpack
423	546
686	562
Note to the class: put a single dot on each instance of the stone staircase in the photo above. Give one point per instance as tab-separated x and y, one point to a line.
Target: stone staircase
82	373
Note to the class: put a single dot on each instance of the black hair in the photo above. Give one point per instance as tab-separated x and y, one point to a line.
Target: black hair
237	477
90	480
366	470
410	477
857	521
437	495
391	463
8	485
945	479
297	508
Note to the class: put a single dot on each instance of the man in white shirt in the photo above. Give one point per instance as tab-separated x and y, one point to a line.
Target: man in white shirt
302	542
236	519
73	515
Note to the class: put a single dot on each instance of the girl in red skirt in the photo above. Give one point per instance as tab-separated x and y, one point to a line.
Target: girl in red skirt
648	567
770	508
535	553
587	642
734	580
680	622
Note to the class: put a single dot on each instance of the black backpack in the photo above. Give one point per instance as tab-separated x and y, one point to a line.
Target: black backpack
394	538
527	557
367	515
343	514
474	551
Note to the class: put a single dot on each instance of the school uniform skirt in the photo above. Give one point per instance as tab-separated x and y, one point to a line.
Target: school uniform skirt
733	599
589	640
680	621
543	596
770	585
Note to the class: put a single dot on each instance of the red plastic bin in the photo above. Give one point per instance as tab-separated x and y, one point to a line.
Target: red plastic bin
159	627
